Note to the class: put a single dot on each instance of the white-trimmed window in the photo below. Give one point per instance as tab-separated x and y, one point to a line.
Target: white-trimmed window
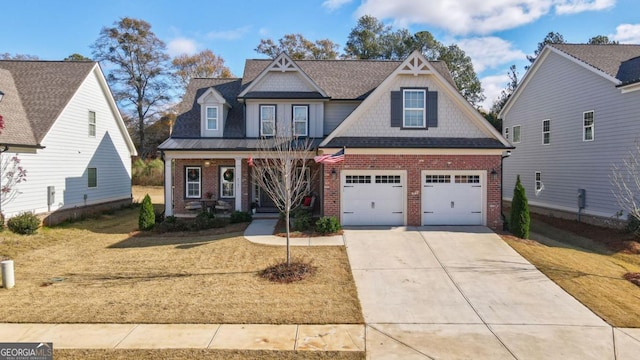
193	181
92	123
267	120
506	133
300	120
588	124
546	132
92	178
538	181
227	181
212	117
516	134
413	101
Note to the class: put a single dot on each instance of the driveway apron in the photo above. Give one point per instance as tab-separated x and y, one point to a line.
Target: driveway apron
463	293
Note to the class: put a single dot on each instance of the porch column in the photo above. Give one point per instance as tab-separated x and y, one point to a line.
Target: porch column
238	184
168	186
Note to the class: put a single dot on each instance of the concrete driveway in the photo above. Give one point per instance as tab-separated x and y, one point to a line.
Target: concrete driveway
462	293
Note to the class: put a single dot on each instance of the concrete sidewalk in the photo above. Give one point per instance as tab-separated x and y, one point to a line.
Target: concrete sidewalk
182	336
463	293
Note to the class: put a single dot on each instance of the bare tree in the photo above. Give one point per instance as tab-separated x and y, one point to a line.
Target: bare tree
280	169
625	178
12	174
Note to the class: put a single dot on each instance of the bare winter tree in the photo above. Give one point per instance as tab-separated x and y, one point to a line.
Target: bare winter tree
12	174
280	168
625	178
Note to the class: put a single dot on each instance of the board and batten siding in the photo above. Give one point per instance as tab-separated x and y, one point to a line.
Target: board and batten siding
69	151
562	91
335	112
284	113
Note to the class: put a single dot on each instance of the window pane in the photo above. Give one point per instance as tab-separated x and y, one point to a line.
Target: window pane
268	128
92	123
92	177
588	133
268	113
413	118
300	113
212	112
300	128
414	99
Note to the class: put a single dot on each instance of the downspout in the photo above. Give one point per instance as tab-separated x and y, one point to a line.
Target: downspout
504	220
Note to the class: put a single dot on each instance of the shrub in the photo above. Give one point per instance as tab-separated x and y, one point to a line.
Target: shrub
520	221
25	223
147	217
206	220
301	220
328	225
239	217
633	225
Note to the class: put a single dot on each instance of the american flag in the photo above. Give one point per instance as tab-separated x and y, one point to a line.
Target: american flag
330	158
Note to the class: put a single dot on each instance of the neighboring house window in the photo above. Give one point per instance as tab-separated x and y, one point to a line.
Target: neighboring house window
267	120
227	181
300	120
538	181
546	132
92	177
193	181
414	108
588	124
92	123
506	133
516	134
212	118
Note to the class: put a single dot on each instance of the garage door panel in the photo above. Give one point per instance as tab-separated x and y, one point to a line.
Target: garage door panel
373	200
450	199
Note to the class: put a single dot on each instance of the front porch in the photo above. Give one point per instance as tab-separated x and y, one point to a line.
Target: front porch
195	182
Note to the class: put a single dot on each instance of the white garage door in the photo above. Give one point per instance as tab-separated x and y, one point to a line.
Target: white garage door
452	199
373	199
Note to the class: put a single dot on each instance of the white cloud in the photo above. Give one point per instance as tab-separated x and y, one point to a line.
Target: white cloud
490	52
229	34
474	16
492	86
577	6
181	45
627	34
334	4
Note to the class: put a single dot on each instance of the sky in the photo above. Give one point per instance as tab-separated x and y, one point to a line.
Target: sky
494	33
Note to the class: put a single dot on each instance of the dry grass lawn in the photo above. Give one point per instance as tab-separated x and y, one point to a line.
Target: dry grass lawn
98	271
588	270
156	193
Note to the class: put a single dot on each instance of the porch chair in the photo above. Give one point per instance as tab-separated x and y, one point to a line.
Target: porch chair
223	206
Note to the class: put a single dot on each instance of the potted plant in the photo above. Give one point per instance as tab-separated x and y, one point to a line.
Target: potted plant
208	195
254	207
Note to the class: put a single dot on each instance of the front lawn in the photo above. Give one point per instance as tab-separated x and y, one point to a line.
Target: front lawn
590	269
100	271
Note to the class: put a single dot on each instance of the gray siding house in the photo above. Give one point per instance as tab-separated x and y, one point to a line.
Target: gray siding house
575	114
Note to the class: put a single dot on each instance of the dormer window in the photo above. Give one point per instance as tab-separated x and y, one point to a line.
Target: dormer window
267	120
212	118
300	120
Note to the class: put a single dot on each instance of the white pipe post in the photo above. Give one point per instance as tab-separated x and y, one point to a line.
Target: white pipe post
8	280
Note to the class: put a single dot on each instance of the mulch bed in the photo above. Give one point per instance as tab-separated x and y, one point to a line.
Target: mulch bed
287	273
633	277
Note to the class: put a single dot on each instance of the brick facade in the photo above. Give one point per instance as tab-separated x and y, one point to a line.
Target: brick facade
413	165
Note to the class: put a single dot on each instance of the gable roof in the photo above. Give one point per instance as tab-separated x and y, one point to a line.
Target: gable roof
44	89
616	62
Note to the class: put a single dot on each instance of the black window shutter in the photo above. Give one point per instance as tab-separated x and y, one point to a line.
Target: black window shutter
432	109
396	109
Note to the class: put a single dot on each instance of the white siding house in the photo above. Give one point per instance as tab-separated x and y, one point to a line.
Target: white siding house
573	116
80	156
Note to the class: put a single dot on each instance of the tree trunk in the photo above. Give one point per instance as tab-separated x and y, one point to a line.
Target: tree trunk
286	221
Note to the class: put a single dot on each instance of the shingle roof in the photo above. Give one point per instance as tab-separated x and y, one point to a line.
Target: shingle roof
188	120
342	79
44	89
17	130
609	58
415	142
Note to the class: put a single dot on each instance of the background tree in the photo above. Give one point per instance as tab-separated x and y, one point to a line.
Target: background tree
506	93
7	56
520	220
77	57
551	38
602	40
139	77
367	38
298	48
280	169
204	64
